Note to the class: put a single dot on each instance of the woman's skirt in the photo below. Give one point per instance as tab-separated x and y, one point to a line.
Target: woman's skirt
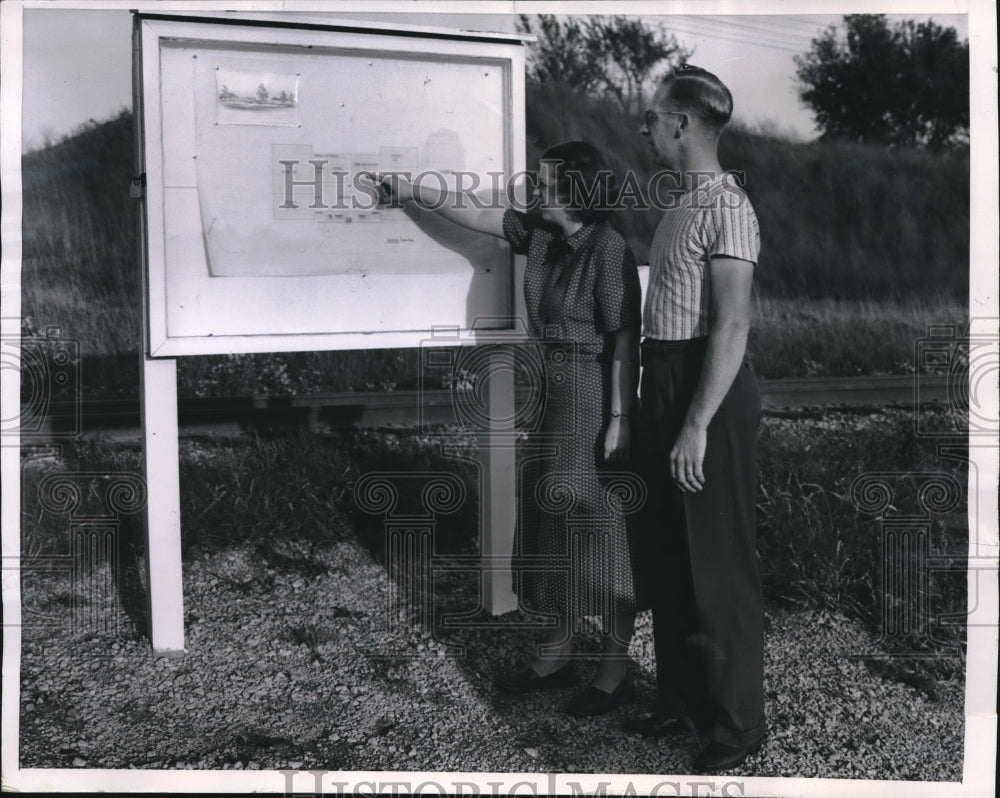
573	557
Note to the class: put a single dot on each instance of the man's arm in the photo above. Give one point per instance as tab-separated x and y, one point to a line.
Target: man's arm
727	341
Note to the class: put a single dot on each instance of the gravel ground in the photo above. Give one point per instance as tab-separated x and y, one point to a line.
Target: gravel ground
286	669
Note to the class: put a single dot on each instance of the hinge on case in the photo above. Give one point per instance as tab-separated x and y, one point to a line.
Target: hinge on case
137	187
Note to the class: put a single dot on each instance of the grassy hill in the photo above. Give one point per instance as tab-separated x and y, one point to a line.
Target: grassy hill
862	248
838	220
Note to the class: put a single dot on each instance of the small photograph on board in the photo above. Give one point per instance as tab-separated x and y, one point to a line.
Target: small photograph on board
256	98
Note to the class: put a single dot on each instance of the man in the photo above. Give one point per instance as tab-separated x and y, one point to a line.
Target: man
698	436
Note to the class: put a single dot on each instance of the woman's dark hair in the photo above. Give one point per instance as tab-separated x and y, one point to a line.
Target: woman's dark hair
584	184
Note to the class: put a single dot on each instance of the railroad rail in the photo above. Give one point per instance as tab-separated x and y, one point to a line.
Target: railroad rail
234	416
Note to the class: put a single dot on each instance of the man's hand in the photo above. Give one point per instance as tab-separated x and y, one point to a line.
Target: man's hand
687	457
617	442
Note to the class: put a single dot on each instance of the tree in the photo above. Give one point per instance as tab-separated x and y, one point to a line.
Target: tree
631	52
262	93
564	53
608	55
901	86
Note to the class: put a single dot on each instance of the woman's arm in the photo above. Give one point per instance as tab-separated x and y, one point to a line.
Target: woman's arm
624	382
458	208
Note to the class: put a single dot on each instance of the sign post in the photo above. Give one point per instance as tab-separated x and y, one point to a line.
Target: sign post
499	487
164	579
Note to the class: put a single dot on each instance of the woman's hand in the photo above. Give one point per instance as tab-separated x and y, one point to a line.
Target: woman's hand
392	187
394	190
617	441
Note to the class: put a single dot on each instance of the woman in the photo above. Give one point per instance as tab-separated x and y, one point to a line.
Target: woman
581	285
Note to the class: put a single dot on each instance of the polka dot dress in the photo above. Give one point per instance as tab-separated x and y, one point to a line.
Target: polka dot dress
573	533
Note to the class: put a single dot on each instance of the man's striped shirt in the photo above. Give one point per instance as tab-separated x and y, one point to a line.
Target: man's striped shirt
716	218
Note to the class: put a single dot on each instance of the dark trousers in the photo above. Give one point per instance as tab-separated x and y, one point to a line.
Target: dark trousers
696	551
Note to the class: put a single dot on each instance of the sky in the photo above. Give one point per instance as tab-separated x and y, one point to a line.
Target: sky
77	61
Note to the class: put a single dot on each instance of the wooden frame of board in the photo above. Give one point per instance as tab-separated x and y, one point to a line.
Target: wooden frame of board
231	269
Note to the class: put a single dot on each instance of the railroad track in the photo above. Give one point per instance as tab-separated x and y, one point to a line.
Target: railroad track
119	418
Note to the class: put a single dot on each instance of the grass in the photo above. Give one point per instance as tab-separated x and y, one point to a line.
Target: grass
840	338
822	546
291	496
278	491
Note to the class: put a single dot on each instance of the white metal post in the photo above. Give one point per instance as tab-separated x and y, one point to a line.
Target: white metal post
499	484
158	384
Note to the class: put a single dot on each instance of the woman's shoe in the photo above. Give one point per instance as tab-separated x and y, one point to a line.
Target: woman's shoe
526	679
595	701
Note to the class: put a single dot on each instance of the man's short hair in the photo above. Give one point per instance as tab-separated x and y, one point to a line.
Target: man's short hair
584	183
699	92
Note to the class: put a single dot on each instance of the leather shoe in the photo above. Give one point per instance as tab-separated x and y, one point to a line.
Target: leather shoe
656	724
595	701
719	756
526	679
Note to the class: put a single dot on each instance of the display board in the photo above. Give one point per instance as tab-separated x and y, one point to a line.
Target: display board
260	235
263	235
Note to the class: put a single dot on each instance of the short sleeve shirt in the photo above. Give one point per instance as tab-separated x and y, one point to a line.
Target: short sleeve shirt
578	288
716	218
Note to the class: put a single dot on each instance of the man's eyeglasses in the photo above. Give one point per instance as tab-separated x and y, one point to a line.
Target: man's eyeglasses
652	117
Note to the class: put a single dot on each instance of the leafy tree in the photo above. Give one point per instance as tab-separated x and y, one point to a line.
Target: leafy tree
262	93
616	56
902	86
564	53
631	51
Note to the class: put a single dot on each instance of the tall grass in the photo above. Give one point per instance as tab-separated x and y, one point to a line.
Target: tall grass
859	255
79	238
